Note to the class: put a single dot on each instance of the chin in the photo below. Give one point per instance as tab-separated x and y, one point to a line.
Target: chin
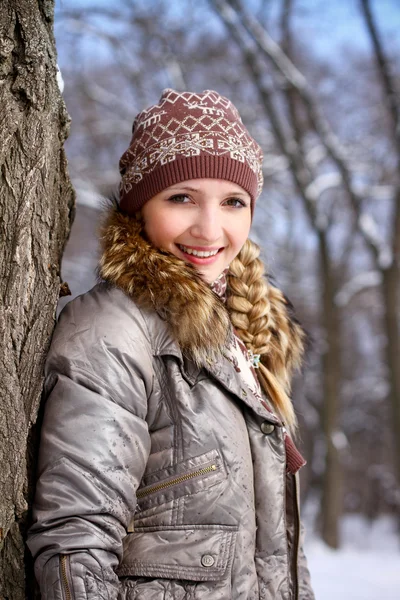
209	277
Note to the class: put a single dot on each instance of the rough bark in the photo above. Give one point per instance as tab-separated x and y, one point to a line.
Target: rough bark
36	204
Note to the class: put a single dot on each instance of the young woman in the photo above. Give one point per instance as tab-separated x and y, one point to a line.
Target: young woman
167	468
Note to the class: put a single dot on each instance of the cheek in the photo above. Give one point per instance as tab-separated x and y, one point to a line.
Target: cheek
160	232
241	233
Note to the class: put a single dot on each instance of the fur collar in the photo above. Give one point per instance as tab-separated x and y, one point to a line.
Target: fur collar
155	279
199	320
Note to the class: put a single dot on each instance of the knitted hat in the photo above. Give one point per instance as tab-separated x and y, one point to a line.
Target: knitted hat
188	136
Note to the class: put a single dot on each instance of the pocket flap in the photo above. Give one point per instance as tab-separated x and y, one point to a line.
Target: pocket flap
198	552
187	477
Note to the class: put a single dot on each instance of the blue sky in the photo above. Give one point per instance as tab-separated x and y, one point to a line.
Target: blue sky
326	26
331	25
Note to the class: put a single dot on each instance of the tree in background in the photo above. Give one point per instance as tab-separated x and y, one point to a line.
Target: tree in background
36	206
327	216
305	127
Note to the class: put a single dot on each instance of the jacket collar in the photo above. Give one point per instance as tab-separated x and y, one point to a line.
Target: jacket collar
223	372
219	368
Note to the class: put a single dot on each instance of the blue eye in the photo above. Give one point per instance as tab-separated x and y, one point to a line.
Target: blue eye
179	198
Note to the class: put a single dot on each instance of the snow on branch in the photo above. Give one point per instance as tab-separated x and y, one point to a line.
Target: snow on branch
359	283
274	164
316	155
339	440
369	229
323	183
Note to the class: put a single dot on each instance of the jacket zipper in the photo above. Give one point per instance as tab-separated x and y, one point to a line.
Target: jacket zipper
64	576
181	479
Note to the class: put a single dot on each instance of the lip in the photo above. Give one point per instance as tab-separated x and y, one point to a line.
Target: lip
196	260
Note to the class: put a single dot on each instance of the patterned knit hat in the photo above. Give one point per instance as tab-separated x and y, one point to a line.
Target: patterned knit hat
188	136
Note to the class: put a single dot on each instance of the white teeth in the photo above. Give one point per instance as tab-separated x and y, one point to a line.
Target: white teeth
198	253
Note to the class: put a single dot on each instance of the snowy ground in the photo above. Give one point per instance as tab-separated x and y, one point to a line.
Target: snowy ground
367	567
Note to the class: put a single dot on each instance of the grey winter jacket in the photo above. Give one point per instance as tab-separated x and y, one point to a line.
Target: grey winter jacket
158	479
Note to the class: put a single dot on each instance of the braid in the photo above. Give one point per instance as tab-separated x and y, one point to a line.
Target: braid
259	313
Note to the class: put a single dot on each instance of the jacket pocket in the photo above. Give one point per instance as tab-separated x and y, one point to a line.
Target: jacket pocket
187	552
185	478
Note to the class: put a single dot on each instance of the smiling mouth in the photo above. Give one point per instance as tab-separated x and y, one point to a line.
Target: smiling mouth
199	253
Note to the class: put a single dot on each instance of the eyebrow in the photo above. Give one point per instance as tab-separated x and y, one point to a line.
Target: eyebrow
187	188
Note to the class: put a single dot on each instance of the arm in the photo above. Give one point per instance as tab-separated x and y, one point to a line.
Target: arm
94	448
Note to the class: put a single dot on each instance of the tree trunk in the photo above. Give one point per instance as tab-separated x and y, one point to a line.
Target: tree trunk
392	353
36	205
332	484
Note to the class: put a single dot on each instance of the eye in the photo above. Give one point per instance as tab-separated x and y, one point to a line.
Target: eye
179	199
236	202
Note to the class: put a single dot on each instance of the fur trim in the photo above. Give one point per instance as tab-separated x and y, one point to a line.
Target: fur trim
198	319
160	280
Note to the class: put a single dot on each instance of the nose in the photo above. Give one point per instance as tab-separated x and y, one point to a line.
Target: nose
208	225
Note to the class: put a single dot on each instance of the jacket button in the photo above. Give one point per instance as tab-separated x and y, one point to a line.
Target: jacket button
207	560
267	428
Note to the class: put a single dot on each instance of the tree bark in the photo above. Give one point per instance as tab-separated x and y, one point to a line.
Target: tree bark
390	273
36	207
391	297
332	481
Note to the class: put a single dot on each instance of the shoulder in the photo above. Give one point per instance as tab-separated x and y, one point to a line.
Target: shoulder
102	343
104	310
105	316
100	327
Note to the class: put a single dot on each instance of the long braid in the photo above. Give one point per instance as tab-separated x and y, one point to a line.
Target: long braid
261	316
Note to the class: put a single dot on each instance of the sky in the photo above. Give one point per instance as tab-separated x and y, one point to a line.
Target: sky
327	26
330	25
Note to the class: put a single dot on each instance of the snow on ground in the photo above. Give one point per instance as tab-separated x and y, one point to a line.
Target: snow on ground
367	567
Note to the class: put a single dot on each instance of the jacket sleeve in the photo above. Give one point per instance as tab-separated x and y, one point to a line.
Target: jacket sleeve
93	451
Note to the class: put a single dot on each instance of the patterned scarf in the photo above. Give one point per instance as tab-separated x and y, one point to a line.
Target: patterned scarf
244	364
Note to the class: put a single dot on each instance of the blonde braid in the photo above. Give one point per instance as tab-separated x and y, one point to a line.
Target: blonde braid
259	313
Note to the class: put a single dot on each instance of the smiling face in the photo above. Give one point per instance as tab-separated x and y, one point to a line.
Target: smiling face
202	221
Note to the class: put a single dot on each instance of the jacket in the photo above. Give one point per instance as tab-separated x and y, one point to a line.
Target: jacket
161	476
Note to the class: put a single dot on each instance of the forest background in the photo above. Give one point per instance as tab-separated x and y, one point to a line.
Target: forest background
318	104
317	84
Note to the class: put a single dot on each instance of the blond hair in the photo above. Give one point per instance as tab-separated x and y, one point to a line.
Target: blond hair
260	314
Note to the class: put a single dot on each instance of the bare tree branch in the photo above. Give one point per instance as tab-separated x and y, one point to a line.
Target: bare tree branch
388	82
232	10
287	146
